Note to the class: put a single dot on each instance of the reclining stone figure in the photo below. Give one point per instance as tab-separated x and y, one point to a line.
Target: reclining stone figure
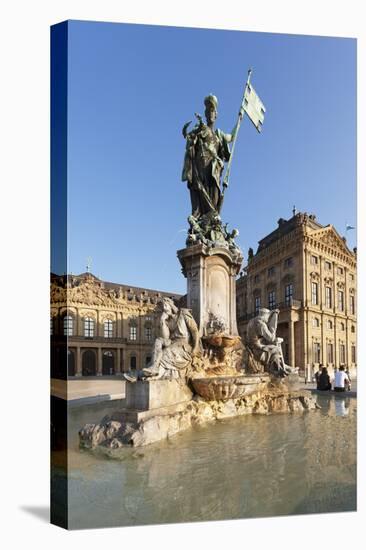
173	350
265	345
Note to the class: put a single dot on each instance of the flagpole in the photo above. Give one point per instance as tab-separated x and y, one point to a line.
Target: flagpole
236	131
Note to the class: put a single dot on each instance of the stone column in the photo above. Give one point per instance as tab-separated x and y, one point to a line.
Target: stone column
323	350
78	365
291	347
99	362
211	284
118	361
97	327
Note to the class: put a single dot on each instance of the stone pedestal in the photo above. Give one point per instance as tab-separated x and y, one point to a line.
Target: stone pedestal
153	394
211	288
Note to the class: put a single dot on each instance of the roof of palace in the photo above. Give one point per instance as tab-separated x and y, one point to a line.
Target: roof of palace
134	290
286	226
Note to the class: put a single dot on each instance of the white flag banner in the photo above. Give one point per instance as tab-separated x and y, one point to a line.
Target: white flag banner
254	107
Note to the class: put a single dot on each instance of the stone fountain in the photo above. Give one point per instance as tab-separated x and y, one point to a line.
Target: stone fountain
200	370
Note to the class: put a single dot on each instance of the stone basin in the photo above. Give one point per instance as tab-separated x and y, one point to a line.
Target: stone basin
220	388
221	340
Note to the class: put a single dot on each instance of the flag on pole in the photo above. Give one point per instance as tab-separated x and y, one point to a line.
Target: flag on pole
254	107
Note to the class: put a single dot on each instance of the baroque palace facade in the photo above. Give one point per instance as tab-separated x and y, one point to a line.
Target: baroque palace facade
307	271
302	268
100	328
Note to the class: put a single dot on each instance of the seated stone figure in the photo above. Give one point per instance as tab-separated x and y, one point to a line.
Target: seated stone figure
265	345
174	348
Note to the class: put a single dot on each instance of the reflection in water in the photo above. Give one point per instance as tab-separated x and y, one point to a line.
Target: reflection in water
342	406
244	467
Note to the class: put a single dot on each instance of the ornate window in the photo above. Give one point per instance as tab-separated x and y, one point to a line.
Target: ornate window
353	329
342	353
272	299
329	324
314	260
289	290
340	270
68	325
328	297
316	352
328	266
330	352
340	300
316	322
314	293
133	332
108	328
148	333
257	303
88	327
352	304
342	326
133	362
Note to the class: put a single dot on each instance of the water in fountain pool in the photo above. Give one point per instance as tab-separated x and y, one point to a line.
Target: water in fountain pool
251	466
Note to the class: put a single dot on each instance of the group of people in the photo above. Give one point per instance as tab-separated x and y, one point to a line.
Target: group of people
342	379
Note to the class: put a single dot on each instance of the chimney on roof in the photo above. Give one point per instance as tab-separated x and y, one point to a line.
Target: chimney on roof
294	211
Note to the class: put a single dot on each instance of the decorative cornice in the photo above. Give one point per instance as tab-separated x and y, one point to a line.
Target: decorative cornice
91	293
315	276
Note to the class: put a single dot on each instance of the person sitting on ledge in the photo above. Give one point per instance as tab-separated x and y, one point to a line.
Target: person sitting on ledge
341	380
323	383
317	375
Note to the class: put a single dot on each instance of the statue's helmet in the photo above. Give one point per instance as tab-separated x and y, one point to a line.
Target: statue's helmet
211	101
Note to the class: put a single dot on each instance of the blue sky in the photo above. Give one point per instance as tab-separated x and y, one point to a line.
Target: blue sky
131	89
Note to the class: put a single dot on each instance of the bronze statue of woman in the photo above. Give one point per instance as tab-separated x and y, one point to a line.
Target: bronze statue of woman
206	151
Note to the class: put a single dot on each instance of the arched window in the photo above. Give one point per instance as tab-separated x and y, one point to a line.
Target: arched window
342	326
289	292
316	322
89	363
148	332
108	363
133	331
68	325
88	327
329	324
70	363
108	328
133	362
271	299
353	328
